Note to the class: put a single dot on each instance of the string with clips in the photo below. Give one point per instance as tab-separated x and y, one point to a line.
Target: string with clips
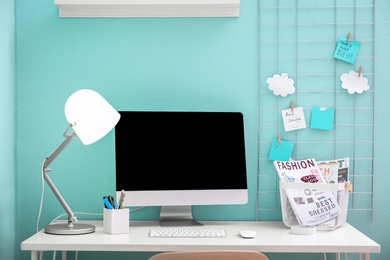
360	71
292	110
360	68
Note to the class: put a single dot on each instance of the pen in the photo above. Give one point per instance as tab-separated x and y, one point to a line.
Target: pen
121	199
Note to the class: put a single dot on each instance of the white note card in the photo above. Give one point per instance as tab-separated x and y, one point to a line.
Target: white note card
293	119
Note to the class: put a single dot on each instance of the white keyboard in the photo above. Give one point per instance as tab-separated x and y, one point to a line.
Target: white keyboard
178	232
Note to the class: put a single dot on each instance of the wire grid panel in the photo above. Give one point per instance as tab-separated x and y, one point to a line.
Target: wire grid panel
298	38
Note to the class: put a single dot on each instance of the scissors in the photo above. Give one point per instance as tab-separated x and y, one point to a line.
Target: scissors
109	202
112	201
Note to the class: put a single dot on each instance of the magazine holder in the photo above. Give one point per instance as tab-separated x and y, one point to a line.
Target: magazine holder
339	189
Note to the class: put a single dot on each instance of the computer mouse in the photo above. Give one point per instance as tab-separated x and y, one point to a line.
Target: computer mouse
246	233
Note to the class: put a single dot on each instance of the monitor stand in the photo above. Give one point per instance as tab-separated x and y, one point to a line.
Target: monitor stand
173	216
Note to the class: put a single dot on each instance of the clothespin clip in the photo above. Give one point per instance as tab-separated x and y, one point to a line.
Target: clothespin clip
348	186
360	71
279	137
292	106
349	37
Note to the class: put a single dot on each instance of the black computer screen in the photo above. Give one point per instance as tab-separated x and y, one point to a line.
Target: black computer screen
170	150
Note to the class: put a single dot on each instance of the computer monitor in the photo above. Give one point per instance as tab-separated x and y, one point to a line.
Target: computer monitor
179	159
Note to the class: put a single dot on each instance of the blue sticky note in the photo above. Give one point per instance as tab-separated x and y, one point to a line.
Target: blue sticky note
281	152
346	51
322	118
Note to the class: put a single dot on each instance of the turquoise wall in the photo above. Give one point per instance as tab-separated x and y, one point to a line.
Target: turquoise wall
7	133
145	64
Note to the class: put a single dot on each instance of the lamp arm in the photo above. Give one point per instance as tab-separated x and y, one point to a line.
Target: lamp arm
69	138
71	216
48	161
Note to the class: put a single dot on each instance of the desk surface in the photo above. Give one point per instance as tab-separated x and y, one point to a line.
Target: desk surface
271	237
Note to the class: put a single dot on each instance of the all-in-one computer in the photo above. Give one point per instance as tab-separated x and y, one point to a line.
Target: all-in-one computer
177	159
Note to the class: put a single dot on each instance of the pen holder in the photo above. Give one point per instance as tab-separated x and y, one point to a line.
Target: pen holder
116	221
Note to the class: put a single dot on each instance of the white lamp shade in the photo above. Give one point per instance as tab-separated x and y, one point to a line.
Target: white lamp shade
92	115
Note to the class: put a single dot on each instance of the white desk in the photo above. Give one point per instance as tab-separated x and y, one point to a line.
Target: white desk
271	237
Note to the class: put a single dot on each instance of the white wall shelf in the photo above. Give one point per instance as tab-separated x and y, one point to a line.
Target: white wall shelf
148	8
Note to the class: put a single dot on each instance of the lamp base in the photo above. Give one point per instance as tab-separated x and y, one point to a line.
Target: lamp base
65	229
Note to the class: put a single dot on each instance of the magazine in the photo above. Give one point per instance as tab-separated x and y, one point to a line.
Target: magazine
311	206
335	171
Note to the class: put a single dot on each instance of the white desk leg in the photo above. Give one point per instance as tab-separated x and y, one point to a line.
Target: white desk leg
63	257
337	256
366	256
34	255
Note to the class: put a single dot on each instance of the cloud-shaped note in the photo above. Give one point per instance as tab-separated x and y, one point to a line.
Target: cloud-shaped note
281	85
353	83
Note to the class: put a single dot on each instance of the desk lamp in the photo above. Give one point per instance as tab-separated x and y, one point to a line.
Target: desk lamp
91	117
